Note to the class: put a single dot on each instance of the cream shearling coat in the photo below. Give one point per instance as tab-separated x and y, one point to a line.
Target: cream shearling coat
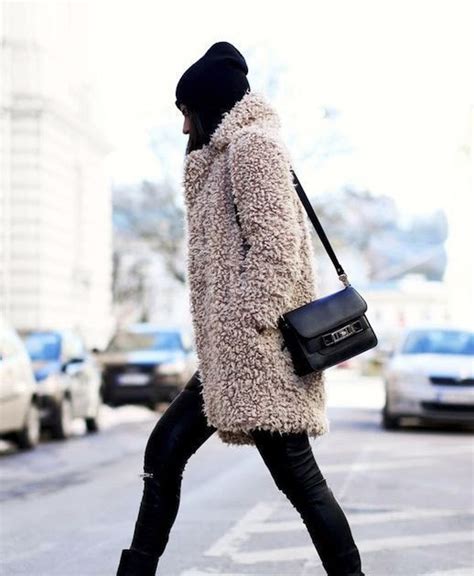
242	278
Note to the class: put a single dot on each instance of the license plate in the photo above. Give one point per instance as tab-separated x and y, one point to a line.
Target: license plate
133	379
453	398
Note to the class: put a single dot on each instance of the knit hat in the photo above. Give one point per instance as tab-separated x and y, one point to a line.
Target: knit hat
214	82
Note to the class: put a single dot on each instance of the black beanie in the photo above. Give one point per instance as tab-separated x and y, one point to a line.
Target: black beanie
214	82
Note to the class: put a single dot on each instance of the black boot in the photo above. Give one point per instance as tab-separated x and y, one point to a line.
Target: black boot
136	563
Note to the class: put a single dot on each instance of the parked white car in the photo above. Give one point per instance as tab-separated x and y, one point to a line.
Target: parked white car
19	411
68	379
431	376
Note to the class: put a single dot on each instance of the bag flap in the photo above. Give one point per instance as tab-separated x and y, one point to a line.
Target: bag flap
325	313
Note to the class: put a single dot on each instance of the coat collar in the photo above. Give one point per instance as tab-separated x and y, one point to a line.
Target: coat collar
253	109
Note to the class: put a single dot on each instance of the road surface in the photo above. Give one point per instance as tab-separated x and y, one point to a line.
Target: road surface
68	508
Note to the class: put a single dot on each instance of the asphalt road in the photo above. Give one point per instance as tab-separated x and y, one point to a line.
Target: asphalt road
68	508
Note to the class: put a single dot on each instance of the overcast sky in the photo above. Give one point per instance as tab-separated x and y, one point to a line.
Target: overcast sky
399	73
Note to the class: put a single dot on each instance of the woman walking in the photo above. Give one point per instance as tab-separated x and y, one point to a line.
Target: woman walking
249	260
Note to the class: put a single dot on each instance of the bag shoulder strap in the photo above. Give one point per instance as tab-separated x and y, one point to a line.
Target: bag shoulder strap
319	229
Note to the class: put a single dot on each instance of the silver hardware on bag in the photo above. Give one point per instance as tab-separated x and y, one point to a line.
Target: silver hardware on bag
333	337
344	279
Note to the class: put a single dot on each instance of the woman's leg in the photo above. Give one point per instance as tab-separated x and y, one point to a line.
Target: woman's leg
291	463
180	431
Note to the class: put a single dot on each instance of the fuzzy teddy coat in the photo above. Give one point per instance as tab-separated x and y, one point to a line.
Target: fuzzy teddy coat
249	259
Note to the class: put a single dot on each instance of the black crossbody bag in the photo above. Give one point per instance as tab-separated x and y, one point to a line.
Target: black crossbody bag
331	329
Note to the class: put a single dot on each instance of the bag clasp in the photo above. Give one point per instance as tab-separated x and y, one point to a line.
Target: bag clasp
348	330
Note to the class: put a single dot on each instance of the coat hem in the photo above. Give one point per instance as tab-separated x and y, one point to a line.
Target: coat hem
243	436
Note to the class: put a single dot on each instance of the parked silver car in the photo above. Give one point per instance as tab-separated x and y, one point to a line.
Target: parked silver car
19	412
431	376
69	380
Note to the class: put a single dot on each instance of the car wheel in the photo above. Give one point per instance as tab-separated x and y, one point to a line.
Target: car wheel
389	422
29	436
62	428
93	422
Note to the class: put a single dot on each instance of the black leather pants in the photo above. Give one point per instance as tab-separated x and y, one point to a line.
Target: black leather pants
180	431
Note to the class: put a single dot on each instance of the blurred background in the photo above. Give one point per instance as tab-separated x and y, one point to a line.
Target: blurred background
375	105
377	110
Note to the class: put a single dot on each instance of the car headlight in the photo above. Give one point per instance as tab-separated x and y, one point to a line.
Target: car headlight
170	368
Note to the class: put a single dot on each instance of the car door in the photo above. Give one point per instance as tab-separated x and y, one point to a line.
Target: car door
16	381
90	379
73	363
84	376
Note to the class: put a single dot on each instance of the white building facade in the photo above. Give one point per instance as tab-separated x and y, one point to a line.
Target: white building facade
55	198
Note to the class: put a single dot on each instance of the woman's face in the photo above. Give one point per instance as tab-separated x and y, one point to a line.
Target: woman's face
187	121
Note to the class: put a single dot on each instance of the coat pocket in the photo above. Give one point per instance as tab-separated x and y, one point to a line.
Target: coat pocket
246	247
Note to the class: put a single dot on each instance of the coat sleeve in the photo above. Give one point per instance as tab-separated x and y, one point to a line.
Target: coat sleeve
266	203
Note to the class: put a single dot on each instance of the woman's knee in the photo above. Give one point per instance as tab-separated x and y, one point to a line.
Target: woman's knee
163	447
176	436
158	461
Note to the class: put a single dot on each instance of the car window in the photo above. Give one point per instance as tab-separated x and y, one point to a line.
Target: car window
439	342
43	345
132	341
